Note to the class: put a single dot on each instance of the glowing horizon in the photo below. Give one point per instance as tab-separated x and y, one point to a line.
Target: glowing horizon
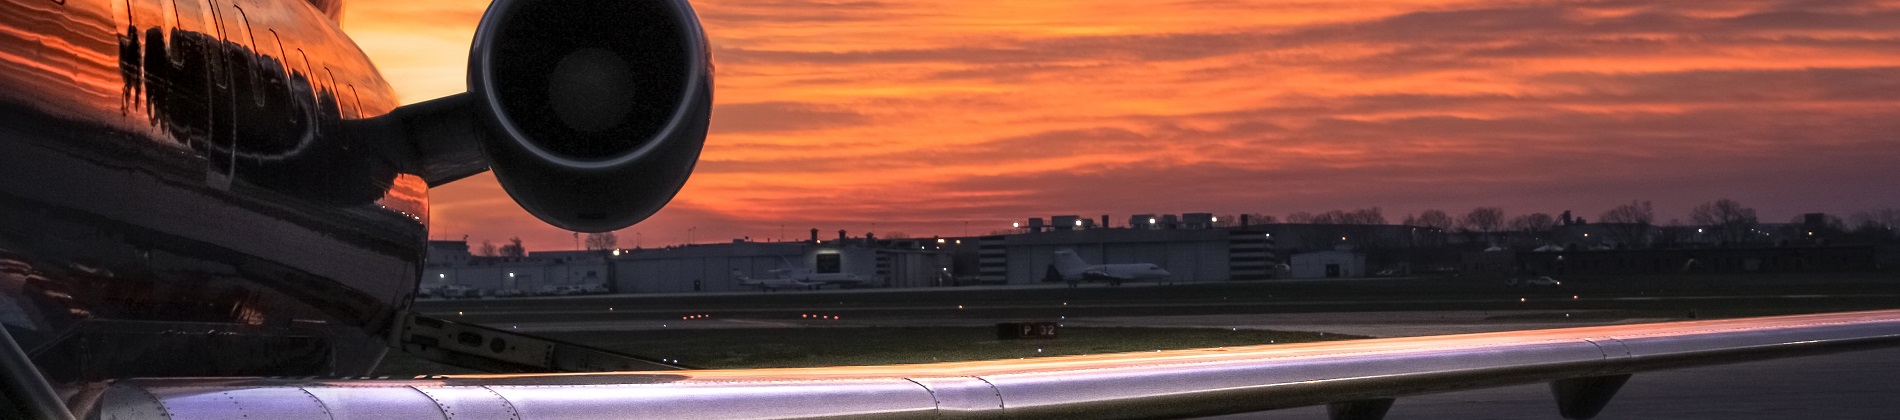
920	117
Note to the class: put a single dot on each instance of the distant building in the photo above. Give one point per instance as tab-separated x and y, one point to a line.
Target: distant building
449	262
1189	246
693	268
1507	264
1328	265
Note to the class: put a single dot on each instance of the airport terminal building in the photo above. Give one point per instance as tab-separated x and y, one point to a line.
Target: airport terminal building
1189	255
1192	247
690	268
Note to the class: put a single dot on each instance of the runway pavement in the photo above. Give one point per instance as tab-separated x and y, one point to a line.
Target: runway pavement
1846	386
1037	302
1370	324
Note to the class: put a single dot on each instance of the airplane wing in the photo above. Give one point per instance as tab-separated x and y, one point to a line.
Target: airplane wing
1358	379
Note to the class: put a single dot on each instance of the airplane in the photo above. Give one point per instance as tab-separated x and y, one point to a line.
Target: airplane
1074	270
217	208
788	272
769	285
229	188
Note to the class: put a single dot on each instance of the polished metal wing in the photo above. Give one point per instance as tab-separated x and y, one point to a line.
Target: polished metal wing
1358	379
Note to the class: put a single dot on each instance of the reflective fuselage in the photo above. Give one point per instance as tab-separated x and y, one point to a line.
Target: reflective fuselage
187	189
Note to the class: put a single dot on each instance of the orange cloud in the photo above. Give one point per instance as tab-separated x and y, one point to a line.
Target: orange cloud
922	116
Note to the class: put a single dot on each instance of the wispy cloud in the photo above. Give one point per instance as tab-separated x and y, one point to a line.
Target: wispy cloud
920	116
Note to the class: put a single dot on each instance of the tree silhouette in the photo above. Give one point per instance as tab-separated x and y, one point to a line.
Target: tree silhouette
1485	220
1262	219
514	248
1299	217
602	241
1728	219
1435	219
1629	223
1534	222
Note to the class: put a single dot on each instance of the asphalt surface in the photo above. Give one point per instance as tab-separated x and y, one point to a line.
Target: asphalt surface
1655	298
1857	385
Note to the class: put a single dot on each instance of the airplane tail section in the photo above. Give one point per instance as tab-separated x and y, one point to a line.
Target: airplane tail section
1069	263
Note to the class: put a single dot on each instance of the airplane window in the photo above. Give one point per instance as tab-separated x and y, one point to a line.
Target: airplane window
257	80
284	70
310	80
309	72
331	99
216	47
168	11
356	102
171	38
337	93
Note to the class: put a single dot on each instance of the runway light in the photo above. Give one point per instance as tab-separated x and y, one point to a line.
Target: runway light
1573	297
940	240
1015	224
1078	223
959	306
616	252
1523	300
458	313
442	276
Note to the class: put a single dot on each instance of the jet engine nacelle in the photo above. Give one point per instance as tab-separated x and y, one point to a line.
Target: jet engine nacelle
596	110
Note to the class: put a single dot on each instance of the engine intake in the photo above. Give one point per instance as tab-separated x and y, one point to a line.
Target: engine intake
596	110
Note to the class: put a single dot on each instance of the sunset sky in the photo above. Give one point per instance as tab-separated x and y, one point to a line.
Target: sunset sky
925	116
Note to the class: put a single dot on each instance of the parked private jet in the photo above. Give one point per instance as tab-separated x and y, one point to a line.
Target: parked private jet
1074	269
772	284
805	274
